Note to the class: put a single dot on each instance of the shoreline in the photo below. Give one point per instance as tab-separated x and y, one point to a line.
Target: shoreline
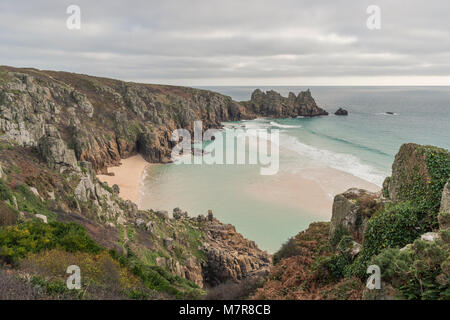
311	189
128	176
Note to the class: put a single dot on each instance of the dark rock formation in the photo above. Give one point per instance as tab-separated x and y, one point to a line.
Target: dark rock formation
341	112
272	104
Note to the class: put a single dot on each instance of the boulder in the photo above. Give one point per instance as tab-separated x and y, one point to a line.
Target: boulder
140	223
163	214
210	215
430	236
168	243
150	226
179	214
35	192
42	217
341	112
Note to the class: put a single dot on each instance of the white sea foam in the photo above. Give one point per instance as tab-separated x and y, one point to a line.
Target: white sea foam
341	161
387	114
283	126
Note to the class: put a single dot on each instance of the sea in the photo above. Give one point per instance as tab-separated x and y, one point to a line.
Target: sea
362	144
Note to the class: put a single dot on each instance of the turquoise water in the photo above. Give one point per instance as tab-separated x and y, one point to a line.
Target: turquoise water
362	144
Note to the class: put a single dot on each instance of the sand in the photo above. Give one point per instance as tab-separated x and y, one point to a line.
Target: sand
312	189
128	177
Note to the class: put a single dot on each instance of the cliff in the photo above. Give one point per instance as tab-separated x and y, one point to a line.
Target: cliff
104	120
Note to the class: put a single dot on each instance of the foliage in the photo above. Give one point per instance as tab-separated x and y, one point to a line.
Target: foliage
288	249
425	193
157	278
98	270
394	227
231	290
34	236
419	272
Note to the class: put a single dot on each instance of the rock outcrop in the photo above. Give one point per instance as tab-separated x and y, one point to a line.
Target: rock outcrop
341	112
272	104
411	172
351	211
230	256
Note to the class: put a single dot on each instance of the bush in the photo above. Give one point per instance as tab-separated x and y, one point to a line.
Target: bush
34	236
14	288
232	290
394	227
288	249
419	272
7	215
99	272
332	269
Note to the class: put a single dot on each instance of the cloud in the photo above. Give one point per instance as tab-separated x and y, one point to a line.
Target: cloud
232	42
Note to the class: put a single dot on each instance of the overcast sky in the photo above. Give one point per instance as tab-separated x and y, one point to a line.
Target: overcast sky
228	42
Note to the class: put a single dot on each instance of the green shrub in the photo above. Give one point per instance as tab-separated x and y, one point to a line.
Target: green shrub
288	249
34	236
421	271
5	192
396	226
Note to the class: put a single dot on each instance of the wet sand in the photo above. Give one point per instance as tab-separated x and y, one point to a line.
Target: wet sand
311	189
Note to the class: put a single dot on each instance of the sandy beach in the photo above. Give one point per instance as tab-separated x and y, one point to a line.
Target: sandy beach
310	189
127	176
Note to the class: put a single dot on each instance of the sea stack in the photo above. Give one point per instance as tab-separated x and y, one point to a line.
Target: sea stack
341	112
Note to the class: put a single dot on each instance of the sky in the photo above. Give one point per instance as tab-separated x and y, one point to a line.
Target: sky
243	42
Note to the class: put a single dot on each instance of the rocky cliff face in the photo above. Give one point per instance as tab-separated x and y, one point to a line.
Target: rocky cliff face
272	104
105	120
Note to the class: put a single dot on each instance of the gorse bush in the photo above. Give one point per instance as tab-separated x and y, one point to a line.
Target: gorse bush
34	236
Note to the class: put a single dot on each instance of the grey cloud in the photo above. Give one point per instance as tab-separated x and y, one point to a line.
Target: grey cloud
166	41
